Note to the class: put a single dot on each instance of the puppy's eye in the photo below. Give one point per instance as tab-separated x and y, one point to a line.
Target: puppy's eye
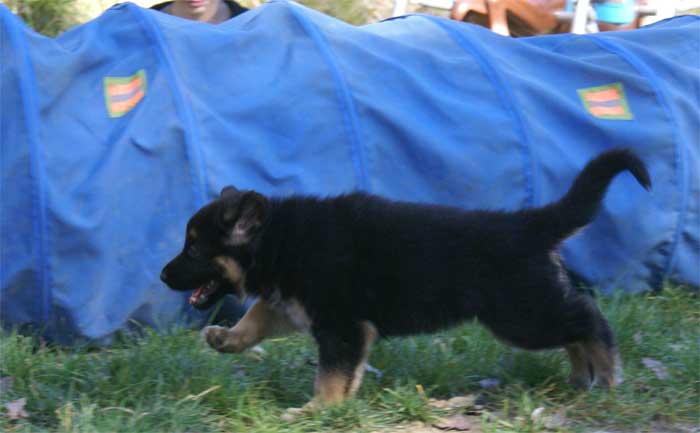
193	252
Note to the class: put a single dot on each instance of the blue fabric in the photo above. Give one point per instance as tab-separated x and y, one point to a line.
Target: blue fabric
285	100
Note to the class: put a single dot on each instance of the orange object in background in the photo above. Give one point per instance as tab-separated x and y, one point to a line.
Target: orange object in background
511	17
522	17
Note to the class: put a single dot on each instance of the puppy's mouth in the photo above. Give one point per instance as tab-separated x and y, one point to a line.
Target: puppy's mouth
203	293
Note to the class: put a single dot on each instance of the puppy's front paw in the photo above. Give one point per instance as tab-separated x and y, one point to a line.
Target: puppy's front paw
225	340
215	336
292	413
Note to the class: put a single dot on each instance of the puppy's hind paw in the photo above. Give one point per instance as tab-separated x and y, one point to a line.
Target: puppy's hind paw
582	382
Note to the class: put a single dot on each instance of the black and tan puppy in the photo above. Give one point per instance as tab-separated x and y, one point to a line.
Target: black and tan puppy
349	269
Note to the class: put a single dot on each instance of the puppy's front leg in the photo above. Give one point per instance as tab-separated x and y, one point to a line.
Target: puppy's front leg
259	322
342	356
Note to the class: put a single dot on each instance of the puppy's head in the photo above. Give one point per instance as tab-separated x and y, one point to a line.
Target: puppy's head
219	246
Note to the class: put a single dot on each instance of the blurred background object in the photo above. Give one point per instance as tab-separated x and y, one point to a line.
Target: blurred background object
536	17
49	17
507	17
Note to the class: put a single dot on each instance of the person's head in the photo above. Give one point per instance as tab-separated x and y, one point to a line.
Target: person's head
201	10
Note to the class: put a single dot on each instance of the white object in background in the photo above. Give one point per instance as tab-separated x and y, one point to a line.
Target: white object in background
399	7
580	17
686	5
665	9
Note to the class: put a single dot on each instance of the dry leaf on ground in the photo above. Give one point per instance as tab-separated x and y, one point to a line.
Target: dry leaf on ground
489	383
677	347
6	383
413	427
536	414
453	403
459	422
256	353
657	367
15	409
556	421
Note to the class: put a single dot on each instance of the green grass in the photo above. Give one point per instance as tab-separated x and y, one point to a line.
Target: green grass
351	11
173	383
49	17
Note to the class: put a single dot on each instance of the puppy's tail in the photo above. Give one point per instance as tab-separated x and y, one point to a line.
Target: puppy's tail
579	206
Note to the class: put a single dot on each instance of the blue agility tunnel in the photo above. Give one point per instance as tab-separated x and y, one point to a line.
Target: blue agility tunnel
114	133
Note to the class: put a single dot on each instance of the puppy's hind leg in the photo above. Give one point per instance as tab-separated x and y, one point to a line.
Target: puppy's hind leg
603	355
597	352
574	323
581	371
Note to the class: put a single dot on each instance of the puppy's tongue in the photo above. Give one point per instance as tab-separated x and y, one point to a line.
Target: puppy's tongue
198	293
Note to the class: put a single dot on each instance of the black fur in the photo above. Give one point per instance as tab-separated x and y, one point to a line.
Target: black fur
409	268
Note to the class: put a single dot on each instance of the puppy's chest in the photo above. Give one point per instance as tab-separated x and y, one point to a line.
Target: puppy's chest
293	310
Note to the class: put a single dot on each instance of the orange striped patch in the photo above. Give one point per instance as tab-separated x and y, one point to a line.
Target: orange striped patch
122	94
124	106
606	102
120	89
607	111
603	95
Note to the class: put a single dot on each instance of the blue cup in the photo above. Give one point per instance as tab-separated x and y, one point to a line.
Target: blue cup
615	11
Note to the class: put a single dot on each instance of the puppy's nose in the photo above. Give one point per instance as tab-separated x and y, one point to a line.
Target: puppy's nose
163	275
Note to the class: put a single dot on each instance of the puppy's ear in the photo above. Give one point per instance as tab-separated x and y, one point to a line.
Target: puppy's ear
229	191
242	222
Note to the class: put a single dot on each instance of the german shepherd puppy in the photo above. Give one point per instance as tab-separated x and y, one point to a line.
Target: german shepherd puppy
352	268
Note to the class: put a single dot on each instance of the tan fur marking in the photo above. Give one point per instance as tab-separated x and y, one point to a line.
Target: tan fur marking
259	322
233	273
192	233
370	333
333	387
262	321
296	314
603	361
580	376
330	387
231	269
555	257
